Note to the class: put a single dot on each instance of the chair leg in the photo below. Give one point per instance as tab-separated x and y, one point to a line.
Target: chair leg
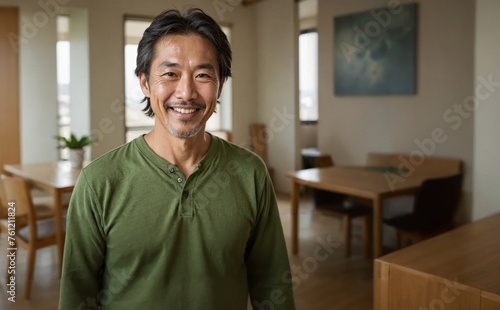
366	236
31	269
398	235
347	235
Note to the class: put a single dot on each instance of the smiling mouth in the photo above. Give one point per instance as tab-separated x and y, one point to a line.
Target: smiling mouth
184	107
184	110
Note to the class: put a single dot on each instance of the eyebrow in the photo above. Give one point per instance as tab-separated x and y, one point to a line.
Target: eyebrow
168	64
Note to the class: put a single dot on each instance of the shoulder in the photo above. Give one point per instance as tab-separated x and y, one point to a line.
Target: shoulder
239	155
114	162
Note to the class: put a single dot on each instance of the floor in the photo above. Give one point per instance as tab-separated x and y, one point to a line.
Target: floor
329	281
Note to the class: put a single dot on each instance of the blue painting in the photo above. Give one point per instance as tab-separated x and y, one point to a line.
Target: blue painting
375	52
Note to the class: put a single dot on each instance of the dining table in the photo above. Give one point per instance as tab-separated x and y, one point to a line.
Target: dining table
57	178
373	183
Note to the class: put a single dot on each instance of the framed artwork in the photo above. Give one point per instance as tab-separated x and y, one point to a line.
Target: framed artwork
375	52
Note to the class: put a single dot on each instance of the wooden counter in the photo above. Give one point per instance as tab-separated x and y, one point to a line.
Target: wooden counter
457	270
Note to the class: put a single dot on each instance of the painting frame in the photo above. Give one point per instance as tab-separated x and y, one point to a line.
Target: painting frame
375	52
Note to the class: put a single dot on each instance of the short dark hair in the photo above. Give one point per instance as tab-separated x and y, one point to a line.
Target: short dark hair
194	21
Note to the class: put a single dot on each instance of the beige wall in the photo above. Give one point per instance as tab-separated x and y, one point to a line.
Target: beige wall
277	85
38	83
487	126
445	76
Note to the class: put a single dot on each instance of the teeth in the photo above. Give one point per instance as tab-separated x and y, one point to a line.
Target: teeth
184	111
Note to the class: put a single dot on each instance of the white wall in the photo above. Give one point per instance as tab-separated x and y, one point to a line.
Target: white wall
277	84
445	76
38	83
79	73
486	146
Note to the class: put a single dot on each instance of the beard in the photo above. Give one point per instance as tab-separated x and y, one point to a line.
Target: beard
184	135
191	133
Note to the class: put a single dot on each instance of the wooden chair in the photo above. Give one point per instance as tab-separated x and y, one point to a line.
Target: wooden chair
434	166
259	144
434	210
37	233
42	209
342	206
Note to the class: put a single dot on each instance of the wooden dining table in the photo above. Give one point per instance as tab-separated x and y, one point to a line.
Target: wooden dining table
459	269
57	178
376	184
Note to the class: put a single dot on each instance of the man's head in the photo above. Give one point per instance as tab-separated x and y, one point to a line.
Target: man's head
182	64
172	22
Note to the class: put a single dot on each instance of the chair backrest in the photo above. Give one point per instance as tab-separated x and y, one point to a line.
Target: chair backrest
323	161
16	190
258	138
3	201
426	166
437	200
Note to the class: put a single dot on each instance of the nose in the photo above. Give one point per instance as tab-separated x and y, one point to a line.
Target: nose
186	89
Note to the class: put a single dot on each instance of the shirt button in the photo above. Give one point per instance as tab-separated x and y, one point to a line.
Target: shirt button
185	194
179	180
171	170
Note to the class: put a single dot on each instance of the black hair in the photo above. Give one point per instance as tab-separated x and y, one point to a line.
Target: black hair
194	21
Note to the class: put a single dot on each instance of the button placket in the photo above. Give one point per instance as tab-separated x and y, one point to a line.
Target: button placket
186	205
172	170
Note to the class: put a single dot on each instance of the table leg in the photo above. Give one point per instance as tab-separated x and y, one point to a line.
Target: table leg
295	217
377	227
58	221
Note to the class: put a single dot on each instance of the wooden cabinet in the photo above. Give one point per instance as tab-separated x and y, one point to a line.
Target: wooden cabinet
9	87
457	270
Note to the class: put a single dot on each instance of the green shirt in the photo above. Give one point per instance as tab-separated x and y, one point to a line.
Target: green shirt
141	236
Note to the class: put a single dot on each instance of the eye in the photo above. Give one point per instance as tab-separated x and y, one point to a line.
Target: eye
170	74
203	76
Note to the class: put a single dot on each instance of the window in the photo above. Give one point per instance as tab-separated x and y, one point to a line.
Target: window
308	76
136	122
63	80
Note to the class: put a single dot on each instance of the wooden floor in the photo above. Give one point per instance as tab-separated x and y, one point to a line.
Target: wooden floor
321	281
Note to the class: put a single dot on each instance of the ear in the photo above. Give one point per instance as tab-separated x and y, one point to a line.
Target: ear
220	89
144	84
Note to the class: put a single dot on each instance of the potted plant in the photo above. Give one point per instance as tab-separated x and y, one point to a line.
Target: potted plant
76	148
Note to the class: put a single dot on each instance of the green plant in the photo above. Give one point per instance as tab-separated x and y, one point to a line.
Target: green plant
73	142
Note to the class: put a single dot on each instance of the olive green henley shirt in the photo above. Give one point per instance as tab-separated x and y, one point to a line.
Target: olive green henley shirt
142	236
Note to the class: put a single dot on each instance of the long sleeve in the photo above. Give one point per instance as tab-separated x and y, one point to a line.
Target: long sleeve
268	268
84	251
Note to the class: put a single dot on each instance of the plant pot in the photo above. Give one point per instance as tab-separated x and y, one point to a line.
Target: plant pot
76	157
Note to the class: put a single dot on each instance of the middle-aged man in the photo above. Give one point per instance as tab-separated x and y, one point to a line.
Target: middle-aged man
177	218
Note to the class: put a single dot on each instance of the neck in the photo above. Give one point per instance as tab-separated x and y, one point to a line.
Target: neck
184	153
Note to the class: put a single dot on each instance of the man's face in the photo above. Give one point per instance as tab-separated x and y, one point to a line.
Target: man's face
183	85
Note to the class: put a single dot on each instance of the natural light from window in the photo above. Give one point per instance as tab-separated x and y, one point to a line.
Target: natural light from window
63	80
308	76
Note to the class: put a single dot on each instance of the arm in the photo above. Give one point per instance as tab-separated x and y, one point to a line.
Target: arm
84	250
269	277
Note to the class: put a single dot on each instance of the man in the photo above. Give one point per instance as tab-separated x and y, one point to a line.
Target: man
177	218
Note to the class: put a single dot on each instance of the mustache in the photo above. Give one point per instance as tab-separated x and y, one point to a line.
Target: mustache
188	103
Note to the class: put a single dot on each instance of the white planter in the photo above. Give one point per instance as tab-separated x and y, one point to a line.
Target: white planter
76	157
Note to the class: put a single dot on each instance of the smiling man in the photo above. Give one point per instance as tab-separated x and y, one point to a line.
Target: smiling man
177	218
